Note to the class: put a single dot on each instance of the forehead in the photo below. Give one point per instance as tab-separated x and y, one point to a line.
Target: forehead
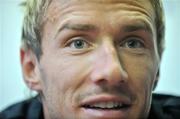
105	5
102	1
96	9
109	8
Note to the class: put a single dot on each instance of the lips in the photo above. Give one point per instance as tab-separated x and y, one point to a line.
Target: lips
106	106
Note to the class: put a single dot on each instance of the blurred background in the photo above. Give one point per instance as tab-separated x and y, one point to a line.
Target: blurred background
12	87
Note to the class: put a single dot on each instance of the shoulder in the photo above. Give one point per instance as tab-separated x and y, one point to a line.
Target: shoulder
165	107
28	109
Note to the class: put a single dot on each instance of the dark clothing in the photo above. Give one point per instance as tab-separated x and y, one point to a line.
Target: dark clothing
163	107
28	109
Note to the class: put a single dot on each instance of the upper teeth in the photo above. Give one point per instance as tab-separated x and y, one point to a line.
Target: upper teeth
106	104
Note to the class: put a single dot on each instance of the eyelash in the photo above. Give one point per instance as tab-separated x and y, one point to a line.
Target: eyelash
70	43
133	38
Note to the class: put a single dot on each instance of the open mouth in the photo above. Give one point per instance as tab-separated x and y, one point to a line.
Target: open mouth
107	106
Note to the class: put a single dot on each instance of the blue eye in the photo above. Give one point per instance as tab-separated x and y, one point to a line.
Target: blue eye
133	42
79	44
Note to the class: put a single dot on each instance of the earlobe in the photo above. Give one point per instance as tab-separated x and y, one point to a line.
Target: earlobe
30	69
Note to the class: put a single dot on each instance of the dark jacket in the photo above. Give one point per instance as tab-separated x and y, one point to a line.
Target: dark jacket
163	107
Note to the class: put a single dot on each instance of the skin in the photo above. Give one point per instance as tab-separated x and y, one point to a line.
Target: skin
116	59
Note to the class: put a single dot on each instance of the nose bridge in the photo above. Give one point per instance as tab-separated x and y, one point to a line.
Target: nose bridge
111	57
108	65
109	53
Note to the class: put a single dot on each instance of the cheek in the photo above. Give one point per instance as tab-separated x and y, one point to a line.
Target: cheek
141	80
141	70
142	73
62	78
142	76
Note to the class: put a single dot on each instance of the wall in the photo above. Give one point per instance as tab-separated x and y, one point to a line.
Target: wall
170	68
12	88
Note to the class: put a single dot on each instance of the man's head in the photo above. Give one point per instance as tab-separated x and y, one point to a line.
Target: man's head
92	59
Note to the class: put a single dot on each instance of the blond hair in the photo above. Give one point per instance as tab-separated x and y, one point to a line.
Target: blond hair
34	11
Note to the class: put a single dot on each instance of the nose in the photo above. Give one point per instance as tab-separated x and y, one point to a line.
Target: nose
107	66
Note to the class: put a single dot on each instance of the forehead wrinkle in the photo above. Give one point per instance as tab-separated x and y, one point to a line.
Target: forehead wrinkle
139	6
62	7
138	3
71	3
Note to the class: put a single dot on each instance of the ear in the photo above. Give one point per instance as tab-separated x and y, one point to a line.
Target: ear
30	69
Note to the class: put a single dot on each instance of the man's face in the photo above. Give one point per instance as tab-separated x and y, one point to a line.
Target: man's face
99	59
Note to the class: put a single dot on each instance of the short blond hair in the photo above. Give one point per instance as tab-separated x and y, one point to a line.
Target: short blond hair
34	11
33	21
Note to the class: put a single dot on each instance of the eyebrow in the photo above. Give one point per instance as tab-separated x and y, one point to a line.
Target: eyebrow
138	26
142	25
78	27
